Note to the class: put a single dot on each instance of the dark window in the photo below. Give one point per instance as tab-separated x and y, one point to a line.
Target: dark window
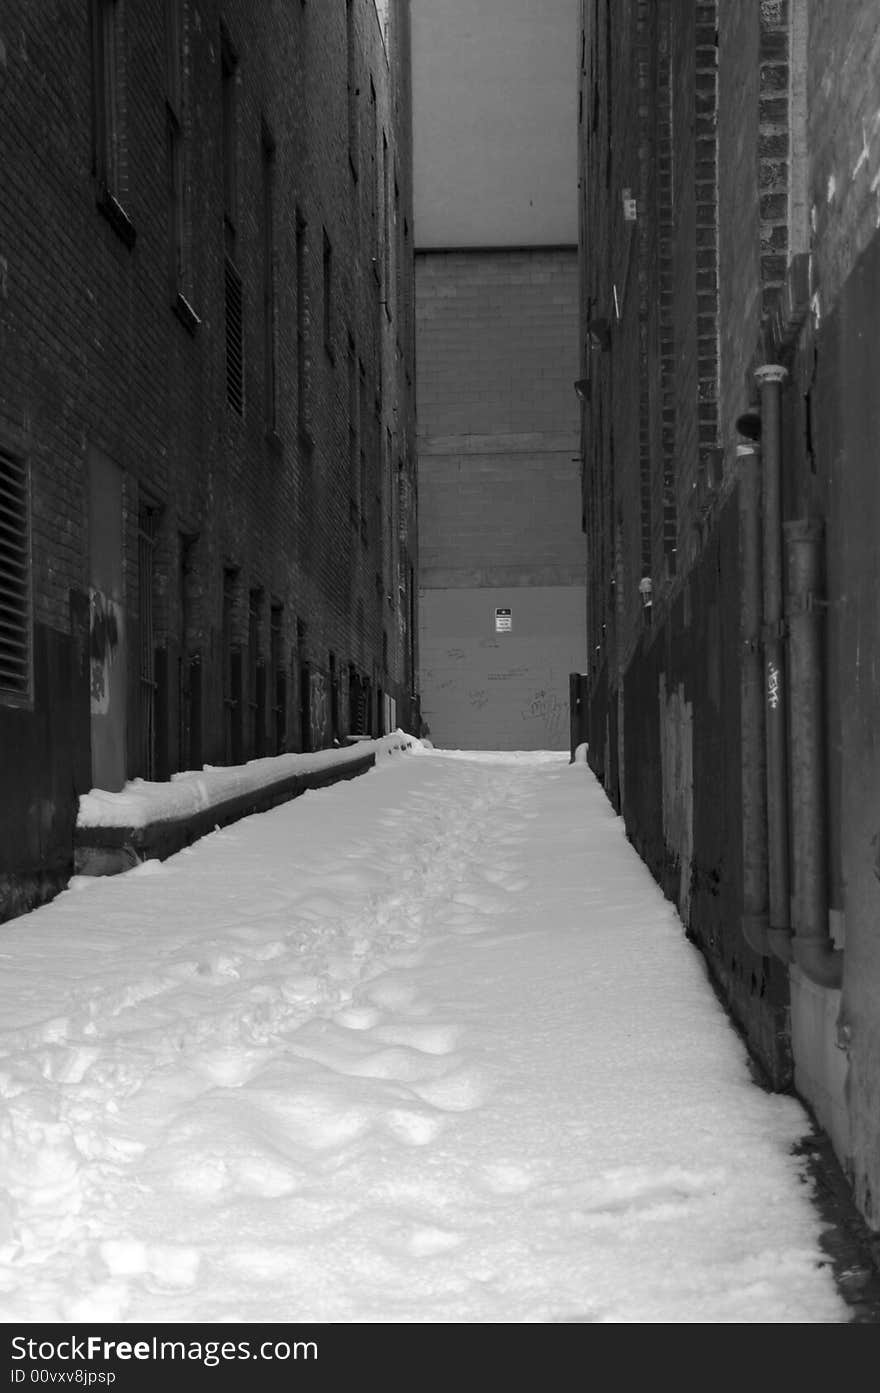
374	157
327	284
231	658
301	322
234	337
278	688
268	148
256	686
15	578
148	526
363	435
178	228
353	431
386	222
388	511
234	290
229	133
353	90
108	148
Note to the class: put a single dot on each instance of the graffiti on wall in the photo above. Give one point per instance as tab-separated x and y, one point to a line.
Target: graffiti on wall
105	638
549	708
319	709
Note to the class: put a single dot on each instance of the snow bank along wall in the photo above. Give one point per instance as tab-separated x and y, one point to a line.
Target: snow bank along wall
730	275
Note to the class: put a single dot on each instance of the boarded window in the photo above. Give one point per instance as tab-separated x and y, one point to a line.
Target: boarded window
15	590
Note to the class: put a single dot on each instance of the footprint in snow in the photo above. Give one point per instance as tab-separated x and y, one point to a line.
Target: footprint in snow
396	1062
357	1017
414	1128
425	1242
392	994
430	1039
169	1264
456	1092
507	1178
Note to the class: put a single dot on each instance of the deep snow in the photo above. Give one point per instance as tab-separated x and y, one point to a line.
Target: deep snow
428	1046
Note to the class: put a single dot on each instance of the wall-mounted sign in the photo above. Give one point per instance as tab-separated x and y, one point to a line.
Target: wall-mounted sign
503	621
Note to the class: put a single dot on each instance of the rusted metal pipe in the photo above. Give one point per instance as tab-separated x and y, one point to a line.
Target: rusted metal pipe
813	949
755	919
770	377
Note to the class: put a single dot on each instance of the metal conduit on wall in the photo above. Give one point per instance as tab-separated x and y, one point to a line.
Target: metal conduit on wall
755	922
770	379
792	708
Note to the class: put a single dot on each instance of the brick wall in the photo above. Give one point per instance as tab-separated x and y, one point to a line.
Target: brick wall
499	479
843	138
98	354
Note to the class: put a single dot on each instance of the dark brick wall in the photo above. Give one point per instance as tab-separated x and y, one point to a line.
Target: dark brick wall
94	357
677	105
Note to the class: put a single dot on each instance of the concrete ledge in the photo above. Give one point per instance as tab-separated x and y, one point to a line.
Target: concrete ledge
110	850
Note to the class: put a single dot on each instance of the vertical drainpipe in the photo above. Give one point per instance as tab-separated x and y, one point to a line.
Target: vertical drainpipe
755	921
770	378
813	949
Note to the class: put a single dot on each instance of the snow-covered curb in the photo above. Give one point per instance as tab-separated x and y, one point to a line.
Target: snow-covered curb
141	802
148	821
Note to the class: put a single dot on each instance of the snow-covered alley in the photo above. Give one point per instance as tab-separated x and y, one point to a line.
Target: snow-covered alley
428	1046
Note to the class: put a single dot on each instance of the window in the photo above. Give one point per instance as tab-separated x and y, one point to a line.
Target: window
148	529
178	222
301	326
256	684
353	90
388	517
234	337
363	435
353	425
108	150
15	579
231	658
374	156
229	106
386	222
278	678
233	288
270	370
396	257
327	288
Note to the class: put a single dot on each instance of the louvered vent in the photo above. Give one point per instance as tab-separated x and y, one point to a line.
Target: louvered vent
234	339
15	618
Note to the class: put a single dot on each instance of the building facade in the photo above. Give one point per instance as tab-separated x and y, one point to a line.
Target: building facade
502	568
207	439
730	269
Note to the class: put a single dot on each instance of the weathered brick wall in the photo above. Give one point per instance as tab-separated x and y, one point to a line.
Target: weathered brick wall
739	245
95	357
843	137
498	437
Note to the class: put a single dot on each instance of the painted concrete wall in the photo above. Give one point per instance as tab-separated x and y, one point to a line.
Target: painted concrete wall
494	122
507	690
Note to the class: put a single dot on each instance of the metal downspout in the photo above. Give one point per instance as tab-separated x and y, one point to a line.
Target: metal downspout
814	951
770	377
755	921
